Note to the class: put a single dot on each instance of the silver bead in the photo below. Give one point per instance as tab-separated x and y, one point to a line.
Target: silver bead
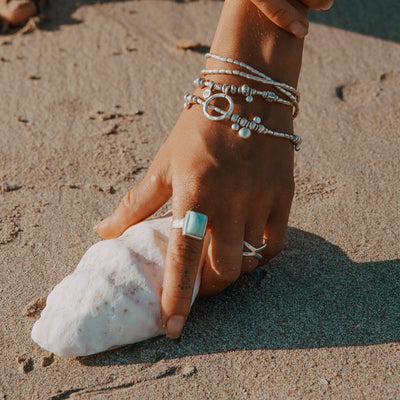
234	89
244	133
234	118
207	93
243	122
235	127
245	89
186	105
257	120
225	89
252	125
297	147
249	99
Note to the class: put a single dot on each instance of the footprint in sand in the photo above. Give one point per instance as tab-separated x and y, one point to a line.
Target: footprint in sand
308	187
26	363
9	228
363	92
35	307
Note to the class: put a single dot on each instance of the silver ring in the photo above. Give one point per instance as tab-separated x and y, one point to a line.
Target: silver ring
254	251
193	225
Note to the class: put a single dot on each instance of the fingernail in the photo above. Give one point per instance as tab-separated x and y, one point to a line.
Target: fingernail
174	326
329	5
298	29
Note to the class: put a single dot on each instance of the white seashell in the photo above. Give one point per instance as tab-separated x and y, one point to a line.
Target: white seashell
113	296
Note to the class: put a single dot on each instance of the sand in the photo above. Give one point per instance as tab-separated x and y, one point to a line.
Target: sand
86	102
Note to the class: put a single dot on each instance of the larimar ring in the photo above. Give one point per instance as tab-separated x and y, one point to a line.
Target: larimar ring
193	225
254	251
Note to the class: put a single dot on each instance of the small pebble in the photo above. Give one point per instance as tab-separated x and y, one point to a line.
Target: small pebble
8	187
46	361
188	370
185	44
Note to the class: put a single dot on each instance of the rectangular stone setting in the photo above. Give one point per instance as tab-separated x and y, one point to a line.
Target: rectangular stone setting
195	225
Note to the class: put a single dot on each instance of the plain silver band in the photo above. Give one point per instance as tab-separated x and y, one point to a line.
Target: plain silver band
178	223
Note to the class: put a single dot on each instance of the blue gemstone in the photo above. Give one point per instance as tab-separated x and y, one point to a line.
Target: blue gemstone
195	225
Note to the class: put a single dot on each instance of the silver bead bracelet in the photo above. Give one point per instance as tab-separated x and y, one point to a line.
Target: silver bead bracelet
289	91
260	74
245	91
239	123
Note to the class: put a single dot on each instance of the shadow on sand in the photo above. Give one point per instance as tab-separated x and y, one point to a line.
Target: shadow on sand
379	19
311	296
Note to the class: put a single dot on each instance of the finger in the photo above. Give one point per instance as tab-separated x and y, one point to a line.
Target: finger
137	205
319	4
288	15
224	262
254	236
182	262
17	12
275	230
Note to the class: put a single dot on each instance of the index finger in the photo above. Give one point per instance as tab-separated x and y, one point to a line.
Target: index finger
184	257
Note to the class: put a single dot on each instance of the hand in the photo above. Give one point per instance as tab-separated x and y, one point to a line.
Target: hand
291	15
245	187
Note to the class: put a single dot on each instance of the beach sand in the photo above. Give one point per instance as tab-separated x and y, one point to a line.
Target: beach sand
86	102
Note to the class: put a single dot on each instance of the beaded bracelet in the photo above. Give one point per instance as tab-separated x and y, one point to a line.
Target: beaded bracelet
289	91
246	91
259	74
239	123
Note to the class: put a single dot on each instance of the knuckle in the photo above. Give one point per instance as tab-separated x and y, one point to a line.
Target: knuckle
229	274
190	185
274	249
130	199
209	176
278	14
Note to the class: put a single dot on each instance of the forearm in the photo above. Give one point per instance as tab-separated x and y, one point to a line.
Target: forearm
244	33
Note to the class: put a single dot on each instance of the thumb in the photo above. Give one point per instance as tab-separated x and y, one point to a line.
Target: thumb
137	205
